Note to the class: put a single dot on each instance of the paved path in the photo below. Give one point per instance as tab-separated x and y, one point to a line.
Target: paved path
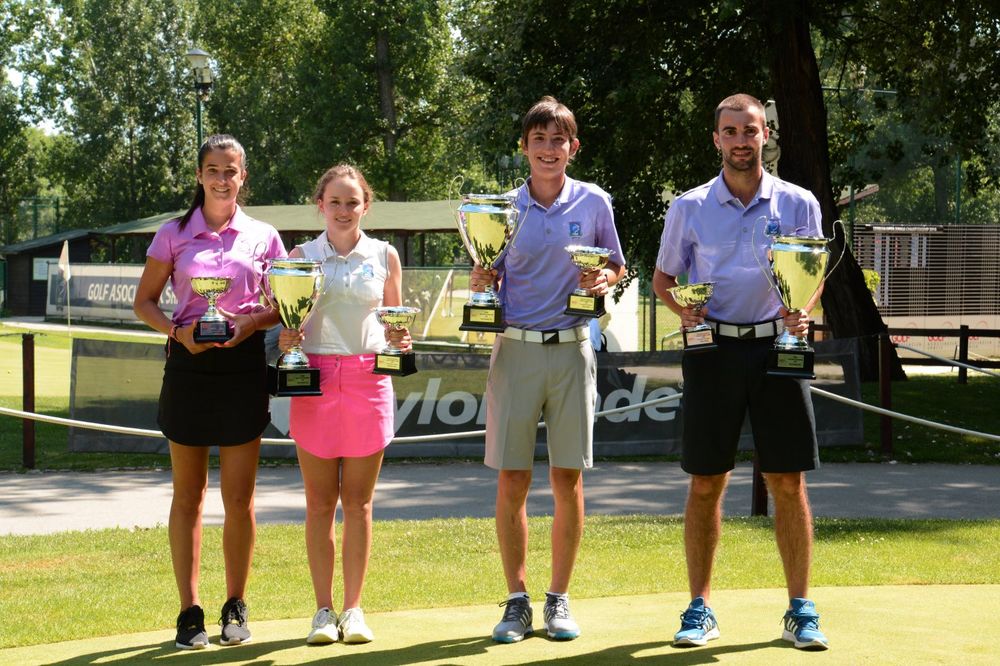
41	503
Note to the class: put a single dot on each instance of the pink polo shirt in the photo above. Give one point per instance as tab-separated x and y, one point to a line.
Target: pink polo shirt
239	251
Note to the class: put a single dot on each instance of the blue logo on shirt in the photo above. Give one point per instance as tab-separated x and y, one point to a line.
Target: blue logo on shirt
575	230
367	272
773	227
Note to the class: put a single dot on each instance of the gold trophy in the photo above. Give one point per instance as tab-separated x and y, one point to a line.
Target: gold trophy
695	295
488	224
798	268
212	326
293	287
392	360
580	302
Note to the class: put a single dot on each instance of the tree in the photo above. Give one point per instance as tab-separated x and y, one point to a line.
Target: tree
259	47
14	175
112	75
378	93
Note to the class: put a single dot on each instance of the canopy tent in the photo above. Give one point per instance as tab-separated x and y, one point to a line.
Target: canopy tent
398	220
384	216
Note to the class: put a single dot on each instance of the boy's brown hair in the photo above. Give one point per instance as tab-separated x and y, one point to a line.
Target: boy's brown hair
548	109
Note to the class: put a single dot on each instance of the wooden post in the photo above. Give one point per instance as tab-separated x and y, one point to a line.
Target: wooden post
963	353
28	397
758	500
885	391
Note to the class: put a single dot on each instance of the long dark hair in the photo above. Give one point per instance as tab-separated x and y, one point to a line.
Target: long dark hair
214	142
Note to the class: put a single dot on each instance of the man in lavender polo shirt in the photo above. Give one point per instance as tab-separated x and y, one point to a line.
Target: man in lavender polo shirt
543	363
712	233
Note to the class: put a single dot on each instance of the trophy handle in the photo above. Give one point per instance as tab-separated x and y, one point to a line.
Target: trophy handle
753	248
843	249
455	187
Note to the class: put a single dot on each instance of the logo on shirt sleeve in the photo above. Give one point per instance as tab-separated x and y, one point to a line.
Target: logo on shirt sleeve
575	230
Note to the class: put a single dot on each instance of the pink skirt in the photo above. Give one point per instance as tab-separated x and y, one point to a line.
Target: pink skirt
354	416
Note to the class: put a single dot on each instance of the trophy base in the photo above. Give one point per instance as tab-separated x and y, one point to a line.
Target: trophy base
292	382
585	306
212	331
698	340
397	365
797	364
487	319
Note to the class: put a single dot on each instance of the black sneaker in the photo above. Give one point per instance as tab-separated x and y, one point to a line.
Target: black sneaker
191	634
234	623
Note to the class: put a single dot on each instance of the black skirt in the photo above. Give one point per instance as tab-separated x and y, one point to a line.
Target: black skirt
215	398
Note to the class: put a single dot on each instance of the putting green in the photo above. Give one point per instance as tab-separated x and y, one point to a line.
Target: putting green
866	625
52	370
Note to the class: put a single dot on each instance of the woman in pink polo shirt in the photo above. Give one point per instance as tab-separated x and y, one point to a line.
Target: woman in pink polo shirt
341	435
214	393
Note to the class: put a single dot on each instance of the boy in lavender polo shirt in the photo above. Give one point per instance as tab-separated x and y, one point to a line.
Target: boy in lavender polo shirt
543	363
710	234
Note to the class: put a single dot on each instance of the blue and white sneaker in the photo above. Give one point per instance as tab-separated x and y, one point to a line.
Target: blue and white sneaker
516	622
698	625
802	626
559	624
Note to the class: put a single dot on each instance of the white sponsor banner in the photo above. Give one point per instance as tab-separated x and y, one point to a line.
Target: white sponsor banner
100	291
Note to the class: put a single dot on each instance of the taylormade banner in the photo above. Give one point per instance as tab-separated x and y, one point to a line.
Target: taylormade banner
118	383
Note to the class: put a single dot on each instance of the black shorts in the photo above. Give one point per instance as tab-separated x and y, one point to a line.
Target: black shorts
720	387
215	398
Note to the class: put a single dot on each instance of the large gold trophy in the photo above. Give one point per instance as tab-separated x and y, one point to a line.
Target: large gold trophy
488	224
798	269
293	287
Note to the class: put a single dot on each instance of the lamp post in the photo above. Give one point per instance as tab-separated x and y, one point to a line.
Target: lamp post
202	82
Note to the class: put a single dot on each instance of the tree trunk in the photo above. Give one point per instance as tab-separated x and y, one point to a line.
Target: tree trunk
387	106
805	161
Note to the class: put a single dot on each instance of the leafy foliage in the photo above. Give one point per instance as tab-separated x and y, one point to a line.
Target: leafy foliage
110	74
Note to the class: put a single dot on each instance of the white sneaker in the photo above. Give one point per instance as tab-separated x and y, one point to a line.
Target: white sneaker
353	628
324	628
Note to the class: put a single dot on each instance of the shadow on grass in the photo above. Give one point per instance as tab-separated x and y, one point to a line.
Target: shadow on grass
627	654
458	648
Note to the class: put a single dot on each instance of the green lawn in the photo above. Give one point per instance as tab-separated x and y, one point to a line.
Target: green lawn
110	582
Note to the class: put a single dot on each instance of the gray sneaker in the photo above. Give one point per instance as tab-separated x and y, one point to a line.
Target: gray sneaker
516	622
234	623
559	624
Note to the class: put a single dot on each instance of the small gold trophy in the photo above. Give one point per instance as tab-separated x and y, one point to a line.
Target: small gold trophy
212	326
392	360
580	301
695	295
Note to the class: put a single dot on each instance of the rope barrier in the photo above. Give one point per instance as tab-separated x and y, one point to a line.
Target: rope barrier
142	432
903	417
949	361
88	425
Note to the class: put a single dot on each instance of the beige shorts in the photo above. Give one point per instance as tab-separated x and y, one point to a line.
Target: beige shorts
528	380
